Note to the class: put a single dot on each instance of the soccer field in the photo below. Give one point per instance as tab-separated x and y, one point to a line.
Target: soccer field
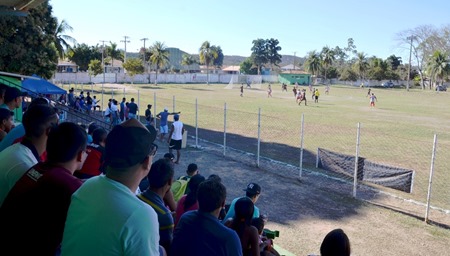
398	132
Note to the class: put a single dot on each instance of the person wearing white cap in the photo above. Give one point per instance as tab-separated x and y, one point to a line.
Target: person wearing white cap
163	128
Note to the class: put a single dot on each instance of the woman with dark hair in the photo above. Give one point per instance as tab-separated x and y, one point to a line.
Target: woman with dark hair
242	224
189	202
335	243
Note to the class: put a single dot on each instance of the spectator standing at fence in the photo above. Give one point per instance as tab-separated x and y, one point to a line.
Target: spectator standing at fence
132	109
200	232
95	103
148	114
88	102
122	109
38	202
163	127
373	98
71	98
105	217
176	136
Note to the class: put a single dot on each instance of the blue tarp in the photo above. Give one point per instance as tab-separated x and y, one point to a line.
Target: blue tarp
40	86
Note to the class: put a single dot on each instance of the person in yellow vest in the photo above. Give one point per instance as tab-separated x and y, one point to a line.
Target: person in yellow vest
316	96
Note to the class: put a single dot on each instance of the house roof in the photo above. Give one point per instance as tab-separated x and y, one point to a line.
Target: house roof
232	68
66	63
297	71
290	66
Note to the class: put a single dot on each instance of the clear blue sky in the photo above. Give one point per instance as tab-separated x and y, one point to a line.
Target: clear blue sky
300	26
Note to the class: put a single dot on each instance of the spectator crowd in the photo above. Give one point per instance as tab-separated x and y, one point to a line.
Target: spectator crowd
67	190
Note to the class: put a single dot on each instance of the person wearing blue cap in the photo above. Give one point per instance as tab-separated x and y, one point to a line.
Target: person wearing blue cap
176	136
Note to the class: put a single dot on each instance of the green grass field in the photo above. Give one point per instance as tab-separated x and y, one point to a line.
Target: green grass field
398	131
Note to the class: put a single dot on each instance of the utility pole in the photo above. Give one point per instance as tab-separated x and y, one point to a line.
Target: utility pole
294	59
104	69
125	41
143	57
411	38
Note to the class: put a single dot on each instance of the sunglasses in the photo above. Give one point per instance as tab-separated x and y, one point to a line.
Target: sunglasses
153	149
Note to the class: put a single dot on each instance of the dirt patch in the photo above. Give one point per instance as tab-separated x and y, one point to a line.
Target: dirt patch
305	210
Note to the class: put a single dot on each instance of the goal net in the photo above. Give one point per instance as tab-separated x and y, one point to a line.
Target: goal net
249	81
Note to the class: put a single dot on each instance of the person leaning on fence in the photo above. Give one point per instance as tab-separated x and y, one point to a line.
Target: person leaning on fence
132	109
122	109
113	220
148	114
163	127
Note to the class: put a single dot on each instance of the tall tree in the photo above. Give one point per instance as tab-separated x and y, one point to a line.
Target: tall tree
361	65
82	55
259	53
95	68
27	43
273	56
218	61
62	40
327	58
247	67
207	55
133	66
188	60
394	61
313	63
438	66
159	57
113	53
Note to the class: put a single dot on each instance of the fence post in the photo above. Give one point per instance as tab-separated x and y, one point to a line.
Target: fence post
139	107
430	182
259	137
103	92
225	129
196	123
355	175
173	103
154	104
301	146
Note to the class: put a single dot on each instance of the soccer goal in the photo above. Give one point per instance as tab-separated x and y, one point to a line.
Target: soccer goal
233	81
255	81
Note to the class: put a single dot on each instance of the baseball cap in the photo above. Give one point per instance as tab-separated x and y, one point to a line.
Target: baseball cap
128	144
253	188
12	92
166	109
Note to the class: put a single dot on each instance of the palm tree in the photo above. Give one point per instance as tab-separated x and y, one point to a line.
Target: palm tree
313	63
207	54
113	53
187	60
159	57
361	65
327	56
60	39
438	66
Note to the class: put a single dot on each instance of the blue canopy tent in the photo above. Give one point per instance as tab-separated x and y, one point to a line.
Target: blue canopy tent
40	86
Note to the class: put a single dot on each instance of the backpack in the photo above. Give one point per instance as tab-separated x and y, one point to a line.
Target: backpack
179	187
